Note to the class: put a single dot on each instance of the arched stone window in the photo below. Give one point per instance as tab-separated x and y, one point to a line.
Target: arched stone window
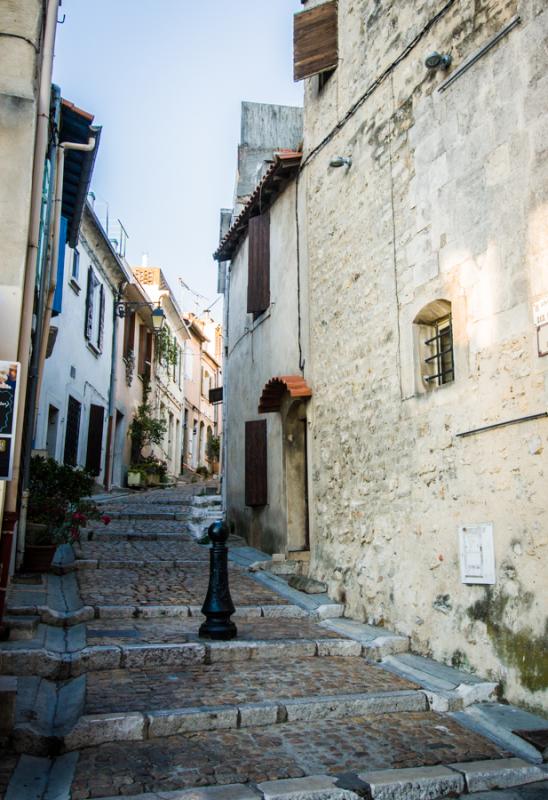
434	345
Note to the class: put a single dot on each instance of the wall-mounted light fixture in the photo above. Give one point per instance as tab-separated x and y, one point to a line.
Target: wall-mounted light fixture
341	161
437	60
158	316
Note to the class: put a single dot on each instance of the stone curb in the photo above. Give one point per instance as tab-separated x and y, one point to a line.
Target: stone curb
51	616
95	729
45	663
500	773
415	783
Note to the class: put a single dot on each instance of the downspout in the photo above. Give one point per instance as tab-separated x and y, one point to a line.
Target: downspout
37	367
109	459
27	307
224	408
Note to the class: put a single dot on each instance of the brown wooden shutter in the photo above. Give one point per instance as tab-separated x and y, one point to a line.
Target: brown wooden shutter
129	333
142	350
256	490
315	47
258	279
148	356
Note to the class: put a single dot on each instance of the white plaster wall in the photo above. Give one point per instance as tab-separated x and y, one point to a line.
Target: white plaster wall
257	352
446	198
92	380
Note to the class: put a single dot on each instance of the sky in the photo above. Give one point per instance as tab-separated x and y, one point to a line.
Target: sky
165	80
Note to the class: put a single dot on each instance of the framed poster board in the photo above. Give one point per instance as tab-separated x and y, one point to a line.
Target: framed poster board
9	399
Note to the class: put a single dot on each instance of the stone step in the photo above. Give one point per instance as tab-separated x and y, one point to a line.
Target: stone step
22	627
295	673
263	754
96	729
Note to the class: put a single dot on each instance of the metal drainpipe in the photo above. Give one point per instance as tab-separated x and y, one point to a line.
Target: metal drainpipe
37	364
225	393
109	458
25	327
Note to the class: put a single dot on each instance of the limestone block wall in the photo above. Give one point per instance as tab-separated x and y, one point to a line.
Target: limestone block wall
258	351
446	198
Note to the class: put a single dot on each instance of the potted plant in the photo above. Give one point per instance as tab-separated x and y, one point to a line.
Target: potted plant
56	510
145	431
213	450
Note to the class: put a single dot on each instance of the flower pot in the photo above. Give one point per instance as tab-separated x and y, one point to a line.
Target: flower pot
38	557
135	478
153	479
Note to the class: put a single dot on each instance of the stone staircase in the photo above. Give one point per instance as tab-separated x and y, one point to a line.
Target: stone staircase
118	696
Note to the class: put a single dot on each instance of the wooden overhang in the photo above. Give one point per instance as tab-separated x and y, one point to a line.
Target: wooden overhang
284	168
275	389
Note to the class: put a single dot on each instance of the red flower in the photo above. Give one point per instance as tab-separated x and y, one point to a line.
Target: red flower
105	519
78	517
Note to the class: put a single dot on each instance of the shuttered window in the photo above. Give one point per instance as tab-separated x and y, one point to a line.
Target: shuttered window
315	41
258	279
256	490
129	333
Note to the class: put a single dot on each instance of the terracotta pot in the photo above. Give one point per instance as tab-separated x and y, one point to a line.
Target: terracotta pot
38	557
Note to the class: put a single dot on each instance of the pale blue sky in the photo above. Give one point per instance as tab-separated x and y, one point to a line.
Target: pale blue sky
165	79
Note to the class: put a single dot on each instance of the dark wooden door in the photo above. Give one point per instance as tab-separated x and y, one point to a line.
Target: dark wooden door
95	439
72	432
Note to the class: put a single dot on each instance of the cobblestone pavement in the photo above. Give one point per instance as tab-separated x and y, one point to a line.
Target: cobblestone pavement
143	551
234	683
289	750
163	585
174	570
181	629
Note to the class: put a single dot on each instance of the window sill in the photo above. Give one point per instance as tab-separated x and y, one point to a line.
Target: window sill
263	316
93	349
75	286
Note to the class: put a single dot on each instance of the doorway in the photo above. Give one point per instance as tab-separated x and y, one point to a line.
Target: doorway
51	433
296	477
95	439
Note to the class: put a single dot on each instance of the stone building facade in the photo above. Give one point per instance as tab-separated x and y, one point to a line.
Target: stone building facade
428	275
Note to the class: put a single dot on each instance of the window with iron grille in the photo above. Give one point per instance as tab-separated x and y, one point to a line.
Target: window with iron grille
441	358
434	351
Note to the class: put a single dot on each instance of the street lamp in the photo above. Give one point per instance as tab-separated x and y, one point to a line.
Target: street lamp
158	315
158	318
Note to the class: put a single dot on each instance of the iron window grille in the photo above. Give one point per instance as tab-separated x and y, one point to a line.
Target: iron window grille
441	343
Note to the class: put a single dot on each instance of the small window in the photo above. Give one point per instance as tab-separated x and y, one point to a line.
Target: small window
441	344
95	312
75	273
435	345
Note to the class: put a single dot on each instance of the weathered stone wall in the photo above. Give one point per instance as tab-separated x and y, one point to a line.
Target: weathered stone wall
257	352
446	199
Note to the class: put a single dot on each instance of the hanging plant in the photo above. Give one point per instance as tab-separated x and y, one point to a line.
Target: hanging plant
166	348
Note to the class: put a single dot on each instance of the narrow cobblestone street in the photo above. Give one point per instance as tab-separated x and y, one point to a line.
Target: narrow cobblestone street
118	695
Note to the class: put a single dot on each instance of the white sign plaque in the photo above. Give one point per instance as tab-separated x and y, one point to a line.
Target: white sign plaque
477	554
540	311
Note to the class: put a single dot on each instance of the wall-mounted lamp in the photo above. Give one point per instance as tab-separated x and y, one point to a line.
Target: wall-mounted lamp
437	60
341	161
158	315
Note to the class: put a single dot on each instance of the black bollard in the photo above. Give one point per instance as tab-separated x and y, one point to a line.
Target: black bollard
218	605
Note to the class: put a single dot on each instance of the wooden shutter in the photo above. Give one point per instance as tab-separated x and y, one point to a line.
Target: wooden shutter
315	47
256	490
88	323
101	330
148	356
142	350
258	278
129	333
